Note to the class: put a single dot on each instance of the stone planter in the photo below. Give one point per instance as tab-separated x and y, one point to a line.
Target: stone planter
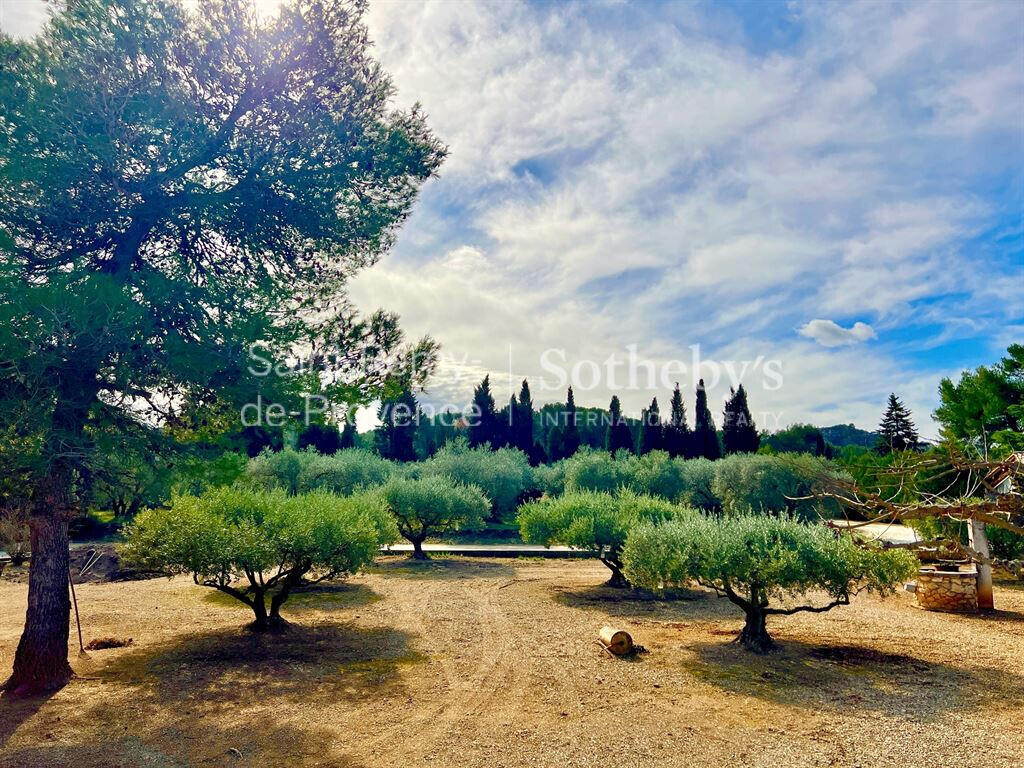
948	590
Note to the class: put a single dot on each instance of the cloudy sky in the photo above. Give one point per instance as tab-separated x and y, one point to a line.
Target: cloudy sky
826	198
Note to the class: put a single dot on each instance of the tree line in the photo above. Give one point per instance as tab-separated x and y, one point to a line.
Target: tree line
559	430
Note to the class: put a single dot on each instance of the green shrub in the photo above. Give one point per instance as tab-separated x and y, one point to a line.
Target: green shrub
773	484
344	472
550	478
656	474
590	470
429	505
595	521
271	539
755	559
503	475
278	469
698	479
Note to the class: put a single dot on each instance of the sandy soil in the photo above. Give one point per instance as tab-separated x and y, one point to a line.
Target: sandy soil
494	663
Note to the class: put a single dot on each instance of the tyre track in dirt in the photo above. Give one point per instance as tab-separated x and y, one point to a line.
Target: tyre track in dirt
479	672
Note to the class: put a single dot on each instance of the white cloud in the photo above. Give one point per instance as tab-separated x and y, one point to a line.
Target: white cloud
830	334
847	176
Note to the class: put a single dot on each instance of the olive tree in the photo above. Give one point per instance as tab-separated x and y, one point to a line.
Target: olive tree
594	521
258	546
503	475
773	484
757	560
430	505
345	472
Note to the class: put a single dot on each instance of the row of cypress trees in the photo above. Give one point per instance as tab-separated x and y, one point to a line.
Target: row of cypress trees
739	432
514	426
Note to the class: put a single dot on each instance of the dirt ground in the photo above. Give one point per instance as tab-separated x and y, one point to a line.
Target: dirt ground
494	663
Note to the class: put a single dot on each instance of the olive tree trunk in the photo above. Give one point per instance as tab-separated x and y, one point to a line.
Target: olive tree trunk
754	635
618	579
41	660
417	549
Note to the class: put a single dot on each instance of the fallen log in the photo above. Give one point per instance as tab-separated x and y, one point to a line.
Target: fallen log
618	641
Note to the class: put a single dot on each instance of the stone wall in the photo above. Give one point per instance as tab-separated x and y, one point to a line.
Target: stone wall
952	591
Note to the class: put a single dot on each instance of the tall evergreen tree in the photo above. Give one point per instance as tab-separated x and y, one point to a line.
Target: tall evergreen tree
705	437
739	433
571	435
397	431
521	436
483	422
169	183
651	430
348	433
897	431
676	434
618	437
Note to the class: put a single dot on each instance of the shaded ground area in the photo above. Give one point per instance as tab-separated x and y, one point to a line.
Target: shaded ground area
494	663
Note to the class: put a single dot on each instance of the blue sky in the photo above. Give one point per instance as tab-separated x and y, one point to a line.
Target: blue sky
836	187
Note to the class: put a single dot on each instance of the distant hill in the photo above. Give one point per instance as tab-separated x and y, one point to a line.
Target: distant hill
847	434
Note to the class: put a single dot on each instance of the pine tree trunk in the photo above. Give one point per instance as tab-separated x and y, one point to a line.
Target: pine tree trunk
41	660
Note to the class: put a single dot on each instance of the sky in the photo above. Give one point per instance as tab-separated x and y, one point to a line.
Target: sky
824	201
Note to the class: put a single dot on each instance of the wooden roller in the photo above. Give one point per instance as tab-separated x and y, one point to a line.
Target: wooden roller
618	641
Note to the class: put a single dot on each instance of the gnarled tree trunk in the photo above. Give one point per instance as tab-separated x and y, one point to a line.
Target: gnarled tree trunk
41	660
754	635
618	579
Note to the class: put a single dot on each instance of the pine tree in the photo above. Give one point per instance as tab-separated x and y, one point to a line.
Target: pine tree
571	436
619	437
483	422
739	433
897	431
705	437
522	432
676	434
397	431
348	433
651	430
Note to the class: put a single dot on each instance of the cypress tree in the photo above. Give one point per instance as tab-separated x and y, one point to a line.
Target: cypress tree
484	420
619	437
522	432
397	431
739	433
705	437
348	433
651	430
676	434
571	436
897	431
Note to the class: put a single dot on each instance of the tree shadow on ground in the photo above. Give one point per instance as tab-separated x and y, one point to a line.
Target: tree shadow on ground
301	663
638	604
326	597
844	678
442	568
188	742
15	710
227	697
